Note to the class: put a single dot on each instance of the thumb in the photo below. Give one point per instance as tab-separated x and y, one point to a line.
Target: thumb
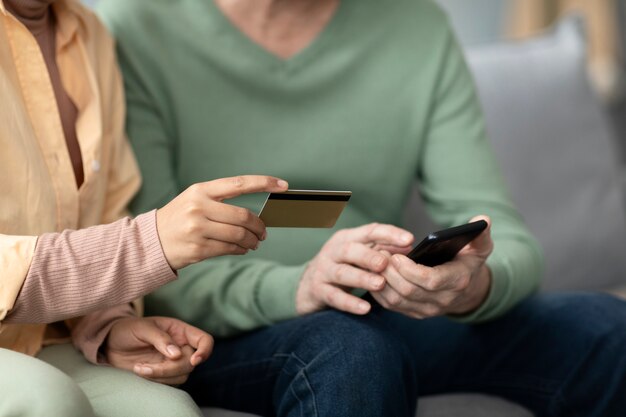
482	244
161	340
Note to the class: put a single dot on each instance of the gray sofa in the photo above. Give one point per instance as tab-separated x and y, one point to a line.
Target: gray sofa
559	156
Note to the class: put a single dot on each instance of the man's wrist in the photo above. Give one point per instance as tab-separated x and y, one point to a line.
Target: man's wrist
304	303
477	292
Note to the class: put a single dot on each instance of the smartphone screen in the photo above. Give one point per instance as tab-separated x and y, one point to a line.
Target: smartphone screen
442	246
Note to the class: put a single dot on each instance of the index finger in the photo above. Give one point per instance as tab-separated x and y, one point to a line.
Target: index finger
381	234
225	188
201	341
187	335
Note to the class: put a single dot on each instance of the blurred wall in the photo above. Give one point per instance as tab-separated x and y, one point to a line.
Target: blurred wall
478	21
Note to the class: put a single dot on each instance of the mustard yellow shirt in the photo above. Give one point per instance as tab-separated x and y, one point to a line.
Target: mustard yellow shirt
38	191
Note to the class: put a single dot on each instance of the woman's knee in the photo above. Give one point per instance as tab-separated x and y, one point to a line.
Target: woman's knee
164	401
125	394
31	387
115	392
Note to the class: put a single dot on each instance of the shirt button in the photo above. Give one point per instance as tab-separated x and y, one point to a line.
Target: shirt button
95	165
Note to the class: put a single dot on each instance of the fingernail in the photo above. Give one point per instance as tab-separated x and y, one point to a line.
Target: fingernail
364	307
406	238
173	350
143	370
264	235
377	282
283	184
378	260
396	260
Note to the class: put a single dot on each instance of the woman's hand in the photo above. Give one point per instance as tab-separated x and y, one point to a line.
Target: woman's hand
196	225
160	349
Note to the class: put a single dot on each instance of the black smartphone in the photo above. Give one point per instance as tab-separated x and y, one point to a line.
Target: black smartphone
442	246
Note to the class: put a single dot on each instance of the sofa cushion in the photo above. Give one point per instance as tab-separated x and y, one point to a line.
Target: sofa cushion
468	405
457	405
218	412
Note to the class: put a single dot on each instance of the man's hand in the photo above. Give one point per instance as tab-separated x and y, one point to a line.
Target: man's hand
351	258
456	287
161	349
196	225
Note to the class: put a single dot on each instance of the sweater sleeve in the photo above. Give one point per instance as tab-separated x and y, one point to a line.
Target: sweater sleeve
77	272
475	186
90	331
227	296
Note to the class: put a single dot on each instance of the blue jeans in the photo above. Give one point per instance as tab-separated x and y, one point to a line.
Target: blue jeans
557	355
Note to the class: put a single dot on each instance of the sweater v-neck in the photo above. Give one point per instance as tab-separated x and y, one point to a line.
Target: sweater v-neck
249	46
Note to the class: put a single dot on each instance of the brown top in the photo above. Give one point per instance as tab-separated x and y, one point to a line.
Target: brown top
38	17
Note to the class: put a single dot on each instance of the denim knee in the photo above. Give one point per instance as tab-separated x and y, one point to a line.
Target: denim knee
589	314
348	363
352	340
589	332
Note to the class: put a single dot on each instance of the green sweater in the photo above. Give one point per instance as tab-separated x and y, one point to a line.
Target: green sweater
380	99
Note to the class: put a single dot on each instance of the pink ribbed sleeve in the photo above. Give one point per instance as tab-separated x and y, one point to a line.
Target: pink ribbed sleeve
77	272
91	331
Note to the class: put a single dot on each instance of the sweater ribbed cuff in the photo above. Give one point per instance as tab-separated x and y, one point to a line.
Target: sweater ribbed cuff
276	293
493	304
93	329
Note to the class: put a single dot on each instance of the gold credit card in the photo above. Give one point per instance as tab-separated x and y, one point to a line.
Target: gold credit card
304	208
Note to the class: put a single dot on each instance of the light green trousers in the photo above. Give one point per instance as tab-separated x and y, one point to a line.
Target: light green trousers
61	383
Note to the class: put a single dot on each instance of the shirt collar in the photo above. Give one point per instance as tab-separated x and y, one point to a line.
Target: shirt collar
69	20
